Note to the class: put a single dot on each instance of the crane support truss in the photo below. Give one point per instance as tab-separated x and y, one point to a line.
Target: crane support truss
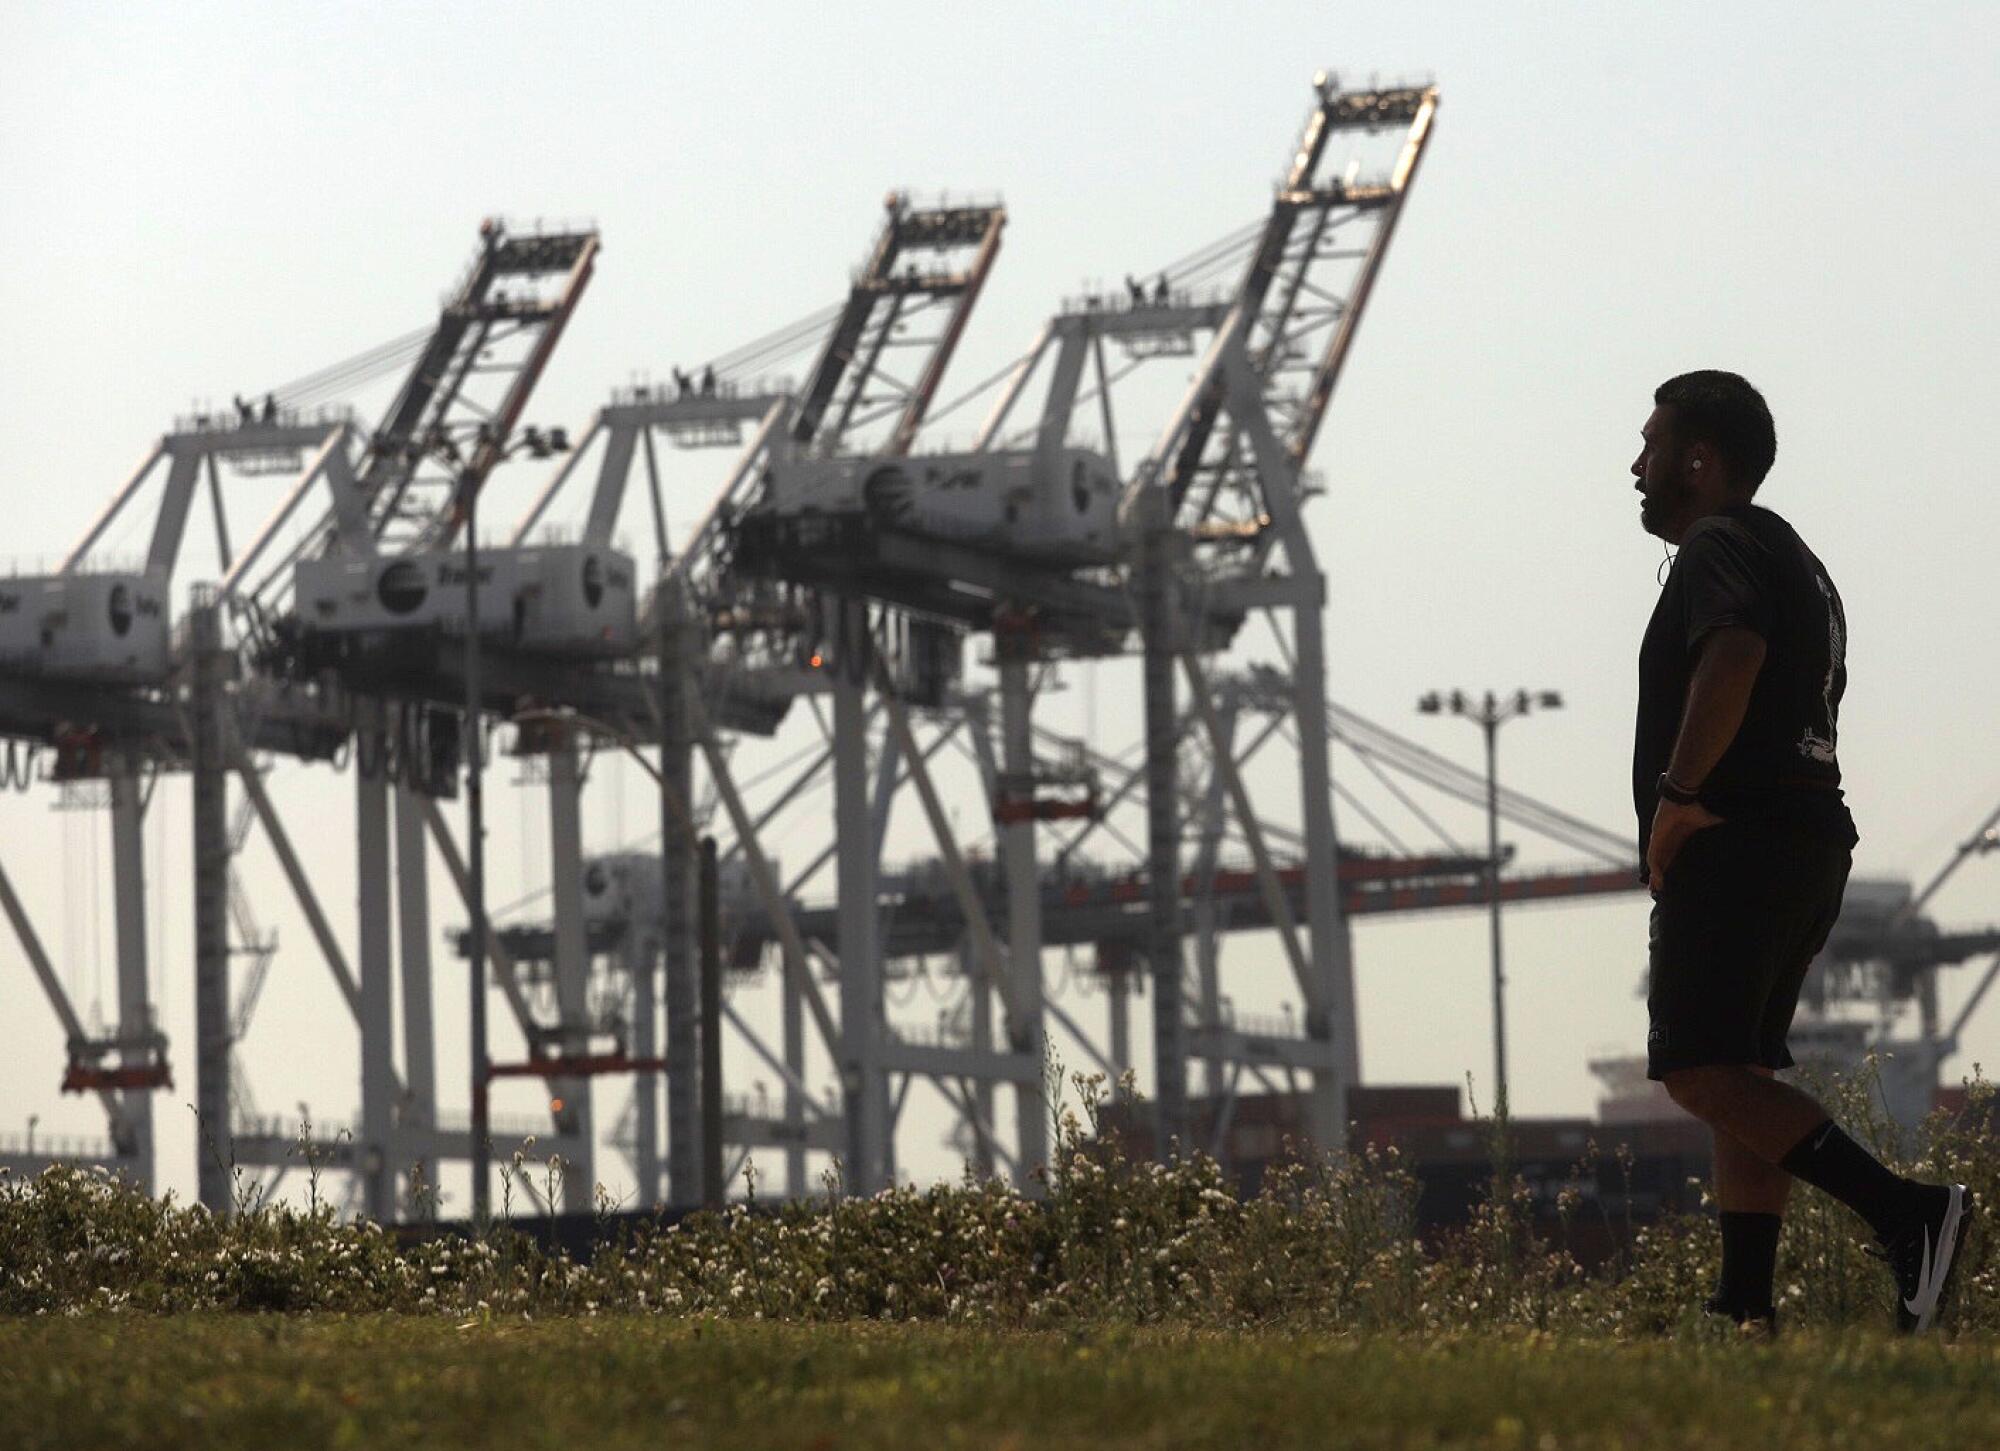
868	617
1230	545
116	694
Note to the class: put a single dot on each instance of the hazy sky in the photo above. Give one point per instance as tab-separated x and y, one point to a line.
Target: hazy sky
206	198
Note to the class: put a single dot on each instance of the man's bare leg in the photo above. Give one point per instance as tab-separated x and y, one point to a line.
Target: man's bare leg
1790	1132
1744	1182
1750	1194
1763	1115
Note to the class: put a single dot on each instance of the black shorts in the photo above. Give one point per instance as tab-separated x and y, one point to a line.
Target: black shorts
1745	908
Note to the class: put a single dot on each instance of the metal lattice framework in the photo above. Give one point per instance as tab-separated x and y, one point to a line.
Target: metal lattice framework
122	696
801	672
1274	346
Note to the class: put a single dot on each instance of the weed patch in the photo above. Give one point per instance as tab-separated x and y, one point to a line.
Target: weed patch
1327	1245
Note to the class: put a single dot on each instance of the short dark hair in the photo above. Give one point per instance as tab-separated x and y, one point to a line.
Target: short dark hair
1724	411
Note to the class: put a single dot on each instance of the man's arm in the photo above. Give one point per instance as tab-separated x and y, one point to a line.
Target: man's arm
1718	695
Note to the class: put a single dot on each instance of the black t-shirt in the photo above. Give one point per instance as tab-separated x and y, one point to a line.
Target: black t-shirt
1747	567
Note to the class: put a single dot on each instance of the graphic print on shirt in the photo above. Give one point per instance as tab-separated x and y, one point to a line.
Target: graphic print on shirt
1820	747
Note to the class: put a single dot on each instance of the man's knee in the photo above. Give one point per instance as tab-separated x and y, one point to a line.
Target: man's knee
1707	1093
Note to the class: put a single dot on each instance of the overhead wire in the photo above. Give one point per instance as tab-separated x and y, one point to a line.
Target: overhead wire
1361	734
780	342
1389	784
1194	267
1360	808
347	383
984	385
1085	397
350	373
1206	254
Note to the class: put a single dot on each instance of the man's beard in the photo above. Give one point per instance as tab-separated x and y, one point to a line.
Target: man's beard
1656	509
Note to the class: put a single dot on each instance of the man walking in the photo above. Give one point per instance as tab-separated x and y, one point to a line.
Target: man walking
1747	842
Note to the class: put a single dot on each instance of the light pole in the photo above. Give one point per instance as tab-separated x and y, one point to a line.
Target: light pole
491	451
1489	713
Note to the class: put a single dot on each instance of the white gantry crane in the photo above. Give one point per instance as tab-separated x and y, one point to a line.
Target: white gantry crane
797	667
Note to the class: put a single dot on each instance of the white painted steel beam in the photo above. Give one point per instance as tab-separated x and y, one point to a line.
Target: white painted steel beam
333	445
572	965
300	883
984	944
133	483
1269	888
1024	910
532	515
864	1088
375	950
135	1009
504	967
763	880
52	989
413	941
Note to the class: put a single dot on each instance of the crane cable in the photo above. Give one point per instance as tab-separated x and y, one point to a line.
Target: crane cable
777	344
337	379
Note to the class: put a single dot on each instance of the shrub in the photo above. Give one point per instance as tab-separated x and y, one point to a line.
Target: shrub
1327	1243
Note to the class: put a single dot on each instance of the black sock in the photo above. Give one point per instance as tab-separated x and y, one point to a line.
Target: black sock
1749	1260
1828	1159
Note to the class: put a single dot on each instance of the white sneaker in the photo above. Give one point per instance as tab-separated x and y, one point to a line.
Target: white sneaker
1923	1255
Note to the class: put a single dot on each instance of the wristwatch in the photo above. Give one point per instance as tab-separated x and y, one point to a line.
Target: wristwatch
1670	790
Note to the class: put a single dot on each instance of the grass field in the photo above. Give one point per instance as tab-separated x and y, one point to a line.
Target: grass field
603	1383
1122	1305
